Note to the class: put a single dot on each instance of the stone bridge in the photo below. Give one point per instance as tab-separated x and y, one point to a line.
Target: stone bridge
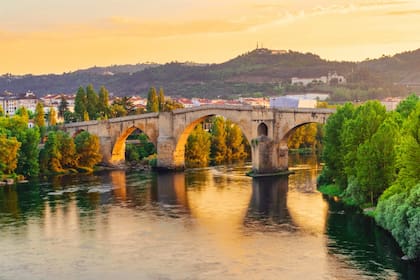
266	129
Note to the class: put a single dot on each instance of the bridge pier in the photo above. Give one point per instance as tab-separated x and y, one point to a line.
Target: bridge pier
269	156
168	157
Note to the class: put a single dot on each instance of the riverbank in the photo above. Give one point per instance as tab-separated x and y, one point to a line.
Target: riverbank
334	192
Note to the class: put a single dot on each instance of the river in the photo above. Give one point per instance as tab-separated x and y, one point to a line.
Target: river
210	223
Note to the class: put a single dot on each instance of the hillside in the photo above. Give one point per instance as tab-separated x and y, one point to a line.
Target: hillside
259	72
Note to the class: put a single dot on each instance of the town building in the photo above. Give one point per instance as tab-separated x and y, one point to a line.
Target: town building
11	102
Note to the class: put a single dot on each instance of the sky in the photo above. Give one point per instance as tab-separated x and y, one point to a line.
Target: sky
56	36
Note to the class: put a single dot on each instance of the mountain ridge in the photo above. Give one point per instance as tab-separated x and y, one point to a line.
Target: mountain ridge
258	71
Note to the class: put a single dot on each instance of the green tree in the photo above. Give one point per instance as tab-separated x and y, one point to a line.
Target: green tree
161	99
80	104
409	151
197	149
218	140
39	115
28	155
127	105
103	103
87	147
50	156
376	159
333	153
408	105
70	117
152	101
92	102
1	111
63	107
360	128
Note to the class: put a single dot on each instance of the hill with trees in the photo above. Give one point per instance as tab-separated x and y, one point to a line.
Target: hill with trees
261	72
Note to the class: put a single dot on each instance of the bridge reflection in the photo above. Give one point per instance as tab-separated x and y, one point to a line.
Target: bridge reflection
267	208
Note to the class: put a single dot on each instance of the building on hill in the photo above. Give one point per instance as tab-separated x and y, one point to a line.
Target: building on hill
11	102
331	78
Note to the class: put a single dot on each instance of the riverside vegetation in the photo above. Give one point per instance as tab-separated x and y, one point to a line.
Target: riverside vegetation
372	159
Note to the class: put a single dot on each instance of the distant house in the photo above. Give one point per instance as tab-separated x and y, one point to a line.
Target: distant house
329	79
11	102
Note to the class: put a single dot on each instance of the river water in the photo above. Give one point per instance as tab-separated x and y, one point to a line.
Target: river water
211	223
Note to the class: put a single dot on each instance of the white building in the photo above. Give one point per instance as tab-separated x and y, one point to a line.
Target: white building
11	102
331	77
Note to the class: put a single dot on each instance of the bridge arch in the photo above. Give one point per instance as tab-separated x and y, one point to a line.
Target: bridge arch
118	149
182	137
292	130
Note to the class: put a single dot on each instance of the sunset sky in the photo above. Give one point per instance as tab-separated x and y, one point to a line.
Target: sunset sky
55	36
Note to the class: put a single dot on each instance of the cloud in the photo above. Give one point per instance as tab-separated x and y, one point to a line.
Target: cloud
404	13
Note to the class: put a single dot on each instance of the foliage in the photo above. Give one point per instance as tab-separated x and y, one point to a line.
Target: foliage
8	154
23	113
360	128
379	155
333	153
125	106
136	152
226	144
103	110
218	140
80	104
1	111
50	156
376	157
91	102
406	106
69	156
63	107
304	136
52	119
197	149
400	214
153	104
331	190
234	143
87	148
28	138
28	164
70	117
39	118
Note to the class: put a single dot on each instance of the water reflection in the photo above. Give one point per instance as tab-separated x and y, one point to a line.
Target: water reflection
206	223
267	208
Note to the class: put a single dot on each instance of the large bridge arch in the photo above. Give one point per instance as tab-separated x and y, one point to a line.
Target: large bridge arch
118	149
184	121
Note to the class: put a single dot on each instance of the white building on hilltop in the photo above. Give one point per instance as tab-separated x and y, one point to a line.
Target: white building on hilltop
329	79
